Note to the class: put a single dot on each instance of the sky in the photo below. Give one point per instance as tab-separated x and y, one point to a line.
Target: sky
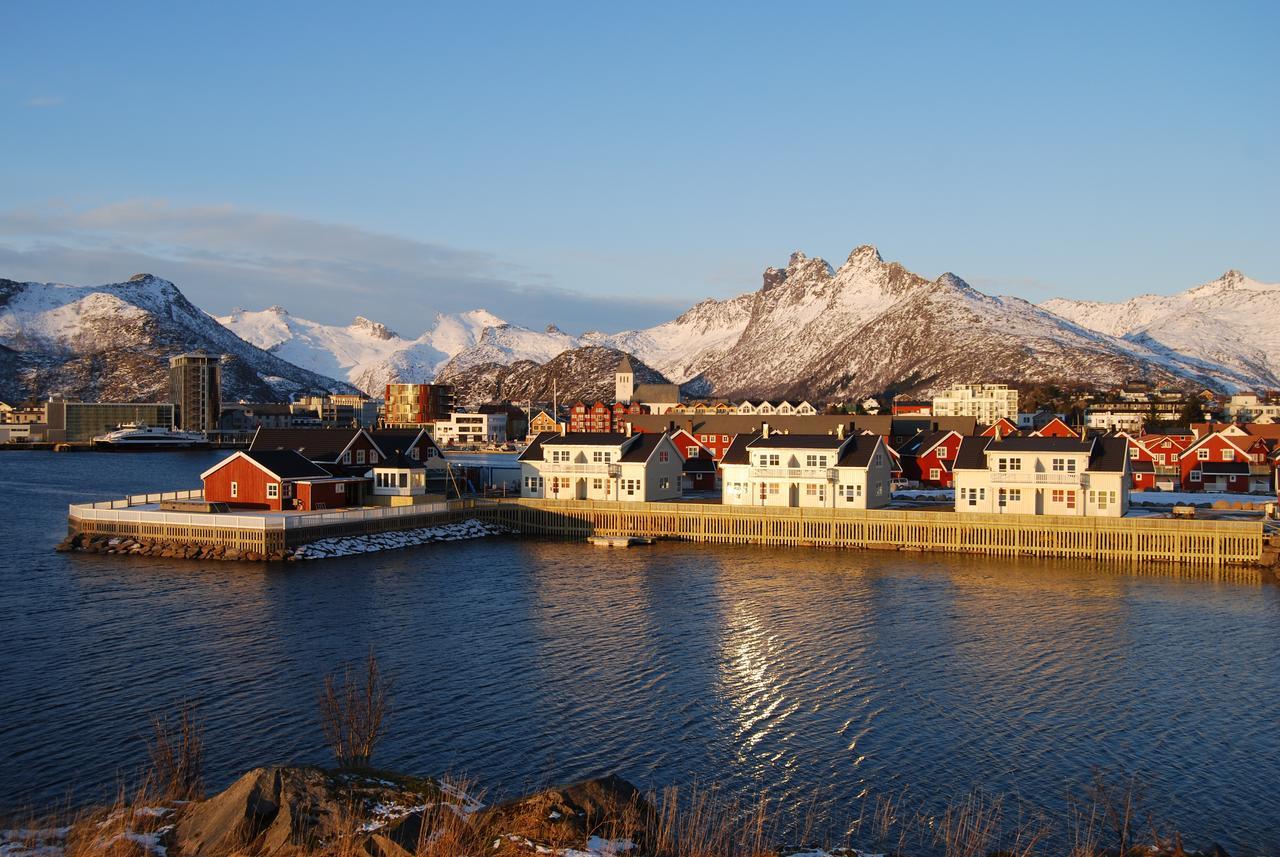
606	166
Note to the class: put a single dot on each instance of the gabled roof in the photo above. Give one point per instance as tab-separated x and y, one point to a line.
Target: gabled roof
586	438
930	440
1239	442
1110	454
317	444
399	461
659	393
798	441
972	454
859	450
280	463
533	452
737	452
389	441
1031	443
642	447
699	465
1142	466
624	365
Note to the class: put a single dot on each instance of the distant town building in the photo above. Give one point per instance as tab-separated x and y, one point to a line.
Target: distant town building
911	407
984	402
657	398
465	427
80	422
411	405
195	389
1250	407
346	409
542	422
1132	416
601	417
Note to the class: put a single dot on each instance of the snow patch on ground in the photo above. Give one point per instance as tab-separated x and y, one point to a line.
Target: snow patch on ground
352	545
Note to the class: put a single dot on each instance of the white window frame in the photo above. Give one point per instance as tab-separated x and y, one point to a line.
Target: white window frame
273	490
235	489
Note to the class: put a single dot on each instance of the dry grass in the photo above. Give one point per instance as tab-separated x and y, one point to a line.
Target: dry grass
176	750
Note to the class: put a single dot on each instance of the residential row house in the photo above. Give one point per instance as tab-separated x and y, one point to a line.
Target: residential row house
1027	475
601	417
617	466
834	471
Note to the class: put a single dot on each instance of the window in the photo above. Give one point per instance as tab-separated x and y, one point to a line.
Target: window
340	488
1059	465
413	453
663	456
773	487
1009	495
597	484
1004	464
273	490
1228	454
373	457
942	453
235	489
724	438
1058	496
359	456
1133	453
692	451
935	473
813	490
1071	499
631	486
1160	458
1195	476
664	483
971	496
815	461
1202	454
346	457
850	492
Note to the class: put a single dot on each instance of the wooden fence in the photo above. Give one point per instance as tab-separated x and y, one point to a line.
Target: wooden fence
1131	540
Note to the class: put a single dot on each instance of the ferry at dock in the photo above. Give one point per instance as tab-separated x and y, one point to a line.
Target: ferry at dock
141	436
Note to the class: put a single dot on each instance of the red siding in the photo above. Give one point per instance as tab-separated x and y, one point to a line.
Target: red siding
251	482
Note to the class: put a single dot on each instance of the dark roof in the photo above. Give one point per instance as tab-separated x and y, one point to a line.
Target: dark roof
923	442
1224	468
972	454
1173	430
699	465
656	393
642	446
287	464
392	440
1110	454
400	461
798	441
318	444
1028	443
534	451
881	424
586	438
1142	466
859	450
737	451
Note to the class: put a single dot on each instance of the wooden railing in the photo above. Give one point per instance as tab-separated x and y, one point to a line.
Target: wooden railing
1136	540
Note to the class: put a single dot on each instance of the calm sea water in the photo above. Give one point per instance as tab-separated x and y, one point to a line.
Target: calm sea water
807	674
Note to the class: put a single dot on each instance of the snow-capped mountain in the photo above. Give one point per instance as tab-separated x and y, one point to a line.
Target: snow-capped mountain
1233	321
369	355
871	325
113	342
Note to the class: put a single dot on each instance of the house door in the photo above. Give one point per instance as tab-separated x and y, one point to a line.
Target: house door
581	491
793	498
1039	501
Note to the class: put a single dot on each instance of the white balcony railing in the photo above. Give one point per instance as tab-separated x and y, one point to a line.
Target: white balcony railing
1031	477
819	473
568	467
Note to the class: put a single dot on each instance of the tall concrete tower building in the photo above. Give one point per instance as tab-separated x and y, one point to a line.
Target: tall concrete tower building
195	388
624	381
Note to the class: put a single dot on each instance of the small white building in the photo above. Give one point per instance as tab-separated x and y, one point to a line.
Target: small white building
601	466
806	470
472	428
398	480
1043	476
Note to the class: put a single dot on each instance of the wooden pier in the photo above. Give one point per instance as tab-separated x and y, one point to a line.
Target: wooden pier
1127	540
1131	541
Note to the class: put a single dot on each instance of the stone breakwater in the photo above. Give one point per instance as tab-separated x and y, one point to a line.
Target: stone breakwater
322	549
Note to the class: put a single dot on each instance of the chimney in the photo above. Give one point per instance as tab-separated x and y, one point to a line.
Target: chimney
628	429
563	428
840	431
764	430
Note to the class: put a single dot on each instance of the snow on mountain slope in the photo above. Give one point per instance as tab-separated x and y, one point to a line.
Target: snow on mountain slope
113	342
1231	322
370	356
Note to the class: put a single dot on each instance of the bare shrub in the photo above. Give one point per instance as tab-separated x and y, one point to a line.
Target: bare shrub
353	708
176	749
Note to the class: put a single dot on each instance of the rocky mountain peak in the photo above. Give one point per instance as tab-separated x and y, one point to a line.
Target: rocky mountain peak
865	256
773	277
376	329
551	328
796	258
139	278
274	309
951	281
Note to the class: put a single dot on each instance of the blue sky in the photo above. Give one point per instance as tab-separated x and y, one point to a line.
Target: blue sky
606	166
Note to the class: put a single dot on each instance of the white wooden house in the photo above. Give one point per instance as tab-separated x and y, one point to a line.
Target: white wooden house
601	466
806	470
1043	476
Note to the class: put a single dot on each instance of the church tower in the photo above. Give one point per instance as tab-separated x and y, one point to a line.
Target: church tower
624	381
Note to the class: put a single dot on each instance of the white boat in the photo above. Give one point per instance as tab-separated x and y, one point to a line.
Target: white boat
142	436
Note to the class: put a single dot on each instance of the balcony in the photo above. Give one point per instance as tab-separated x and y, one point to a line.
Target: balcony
1031	477
577	469
810	473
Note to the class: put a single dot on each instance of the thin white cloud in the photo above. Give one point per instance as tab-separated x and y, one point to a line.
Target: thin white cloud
40	101
224	256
